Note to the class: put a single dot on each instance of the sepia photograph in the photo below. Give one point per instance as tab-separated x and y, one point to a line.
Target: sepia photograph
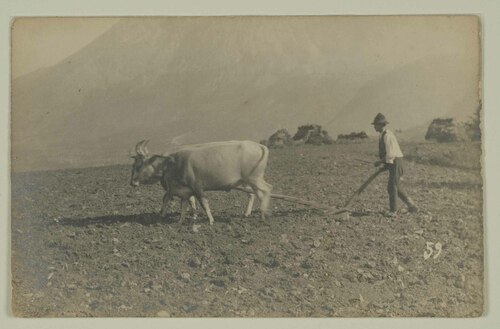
247	166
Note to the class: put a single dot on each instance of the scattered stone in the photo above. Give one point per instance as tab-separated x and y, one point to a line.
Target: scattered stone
306	264
362	301
273	263
395	260
316	243
218	282
403	286
400	268
229	259
147	290
163	314
368	276
242	289
185	276
343	216
115	240
350	277
194	262
370	264
196	228
156	287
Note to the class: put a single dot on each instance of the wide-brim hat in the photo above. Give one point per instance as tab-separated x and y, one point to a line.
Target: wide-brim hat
379	119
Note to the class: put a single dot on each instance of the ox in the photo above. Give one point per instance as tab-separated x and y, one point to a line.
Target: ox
193	170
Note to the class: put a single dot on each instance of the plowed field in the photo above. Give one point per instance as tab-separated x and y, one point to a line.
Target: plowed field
85	243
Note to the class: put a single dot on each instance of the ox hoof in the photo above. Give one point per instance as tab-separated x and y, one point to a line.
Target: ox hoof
265	215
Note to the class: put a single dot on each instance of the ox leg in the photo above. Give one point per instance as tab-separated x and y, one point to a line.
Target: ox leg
183	210
192	203
166	200
263	191
251	199
206	208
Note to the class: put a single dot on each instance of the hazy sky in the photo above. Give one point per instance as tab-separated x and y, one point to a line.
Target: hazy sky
46	41
273	72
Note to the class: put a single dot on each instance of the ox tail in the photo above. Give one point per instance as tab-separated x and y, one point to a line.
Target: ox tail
263	158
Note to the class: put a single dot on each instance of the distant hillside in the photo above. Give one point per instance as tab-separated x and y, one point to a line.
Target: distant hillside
410	96
206	80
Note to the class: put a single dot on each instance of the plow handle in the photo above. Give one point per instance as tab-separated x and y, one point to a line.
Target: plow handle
364	185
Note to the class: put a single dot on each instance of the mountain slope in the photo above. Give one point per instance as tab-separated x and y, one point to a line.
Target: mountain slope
412	95
212	79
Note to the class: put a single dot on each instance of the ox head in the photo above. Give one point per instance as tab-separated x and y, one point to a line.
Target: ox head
146	169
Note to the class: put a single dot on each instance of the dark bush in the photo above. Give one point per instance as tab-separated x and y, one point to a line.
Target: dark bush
446	130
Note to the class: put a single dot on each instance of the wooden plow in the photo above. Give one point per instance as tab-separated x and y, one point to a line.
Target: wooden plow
335	211
297	200
363	186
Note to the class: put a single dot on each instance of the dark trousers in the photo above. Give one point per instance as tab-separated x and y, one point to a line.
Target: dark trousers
394	187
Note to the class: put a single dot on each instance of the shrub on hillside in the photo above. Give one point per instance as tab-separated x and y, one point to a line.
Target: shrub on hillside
279	139
473	127
312	134
352	137
446	130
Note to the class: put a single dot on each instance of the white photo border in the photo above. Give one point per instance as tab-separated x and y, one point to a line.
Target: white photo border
488	11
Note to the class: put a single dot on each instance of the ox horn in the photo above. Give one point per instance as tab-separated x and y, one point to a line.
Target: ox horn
141	148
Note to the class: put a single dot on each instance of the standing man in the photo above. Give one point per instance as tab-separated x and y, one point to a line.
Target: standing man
391	156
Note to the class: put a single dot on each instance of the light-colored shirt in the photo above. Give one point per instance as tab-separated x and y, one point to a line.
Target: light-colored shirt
392	149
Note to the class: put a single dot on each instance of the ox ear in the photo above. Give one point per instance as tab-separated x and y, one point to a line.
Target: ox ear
168	162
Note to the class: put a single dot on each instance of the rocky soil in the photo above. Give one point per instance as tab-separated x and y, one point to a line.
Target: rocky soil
86	244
